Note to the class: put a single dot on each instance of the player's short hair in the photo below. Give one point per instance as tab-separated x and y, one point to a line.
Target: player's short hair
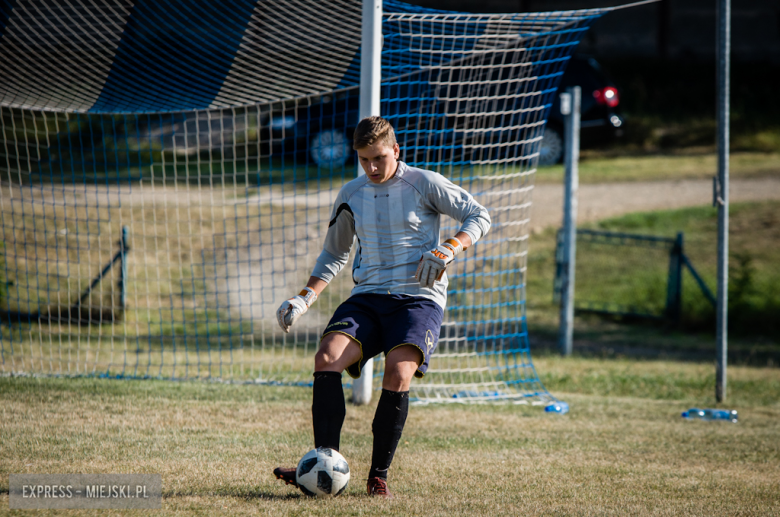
371	130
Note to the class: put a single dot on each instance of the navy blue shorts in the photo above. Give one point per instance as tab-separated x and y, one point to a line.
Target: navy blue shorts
381	322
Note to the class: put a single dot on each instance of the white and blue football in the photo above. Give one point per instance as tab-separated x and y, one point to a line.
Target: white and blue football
322	472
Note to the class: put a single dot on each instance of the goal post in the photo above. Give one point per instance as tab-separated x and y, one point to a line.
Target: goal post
370	89
222	155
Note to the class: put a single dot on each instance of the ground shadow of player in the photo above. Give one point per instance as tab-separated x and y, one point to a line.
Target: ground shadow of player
245	494
260	494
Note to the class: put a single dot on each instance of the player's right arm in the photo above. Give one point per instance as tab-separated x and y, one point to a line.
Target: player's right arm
334	256
447	198
292	309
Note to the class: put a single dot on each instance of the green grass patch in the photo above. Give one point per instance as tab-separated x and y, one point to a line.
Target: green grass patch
637	276
657	380
600	167
754	245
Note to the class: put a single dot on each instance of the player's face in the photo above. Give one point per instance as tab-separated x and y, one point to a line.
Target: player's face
379	161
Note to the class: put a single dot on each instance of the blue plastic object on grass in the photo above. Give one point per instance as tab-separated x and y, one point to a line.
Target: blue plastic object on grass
557	407
711	414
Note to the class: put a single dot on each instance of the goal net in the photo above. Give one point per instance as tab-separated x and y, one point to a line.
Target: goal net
167	171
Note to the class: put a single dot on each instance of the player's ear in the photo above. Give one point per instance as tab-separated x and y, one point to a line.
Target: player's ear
396	150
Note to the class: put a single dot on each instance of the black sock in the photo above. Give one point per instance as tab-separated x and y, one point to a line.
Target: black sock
388	425
328	409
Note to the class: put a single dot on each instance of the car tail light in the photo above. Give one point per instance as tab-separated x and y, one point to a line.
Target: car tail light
607	96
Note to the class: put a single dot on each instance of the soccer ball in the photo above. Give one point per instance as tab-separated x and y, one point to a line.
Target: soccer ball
322	472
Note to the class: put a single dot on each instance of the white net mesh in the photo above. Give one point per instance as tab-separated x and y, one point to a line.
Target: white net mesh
167	176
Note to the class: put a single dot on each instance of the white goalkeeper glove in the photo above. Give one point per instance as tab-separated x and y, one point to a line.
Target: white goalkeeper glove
433	263
295	307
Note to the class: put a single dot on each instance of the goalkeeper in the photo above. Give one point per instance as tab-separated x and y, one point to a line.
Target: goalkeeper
400	292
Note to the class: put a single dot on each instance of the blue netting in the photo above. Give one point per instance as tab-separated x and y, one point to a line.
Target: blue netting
216	135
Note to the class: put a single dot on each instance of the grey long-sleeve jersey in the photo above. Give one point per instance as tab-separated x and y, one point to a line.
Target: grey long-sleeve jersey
395	223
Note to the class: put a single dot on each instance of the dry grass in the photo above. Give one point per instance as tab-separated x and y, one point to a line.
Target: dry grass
621	450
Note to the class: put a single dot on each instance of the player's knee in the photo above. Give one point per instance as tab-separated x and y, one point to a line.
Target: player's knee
324	359
336	353
399	377
401	373
400	366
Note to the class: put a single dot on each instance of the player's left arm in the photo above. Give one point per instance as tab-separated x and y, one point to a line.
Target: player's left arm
449	199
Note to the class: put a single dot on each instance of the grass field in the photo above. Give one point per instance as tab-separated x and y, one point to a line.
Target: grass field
599	166
754	302
622	449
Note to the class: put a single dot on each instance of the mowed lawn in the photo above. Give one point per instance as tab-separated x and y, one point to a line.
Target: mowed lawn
596	167
622	450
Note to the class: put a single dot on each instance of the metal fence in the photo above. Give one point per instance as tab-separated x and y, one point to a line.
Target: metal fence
629	275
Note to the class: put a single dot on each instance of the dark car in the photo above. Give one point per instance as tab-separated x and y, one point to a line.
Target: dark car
319	128
600	120
436	123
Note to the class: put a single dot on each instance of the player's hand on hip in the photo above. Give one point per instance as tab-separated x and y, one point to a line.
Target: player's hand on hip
294	308
433	263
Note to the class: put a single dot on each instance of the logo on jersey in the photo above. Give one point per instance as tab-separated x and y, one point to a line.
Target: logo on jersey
429	344
337	324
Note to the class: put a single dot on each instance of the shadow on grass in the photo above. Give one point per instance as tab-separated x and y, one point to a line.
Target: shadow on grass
249	494
640	340
246	495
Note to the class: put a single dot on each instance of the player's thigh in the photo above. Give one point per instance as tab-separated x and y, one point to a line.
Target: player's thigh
337	351
400	365
351	337
413	331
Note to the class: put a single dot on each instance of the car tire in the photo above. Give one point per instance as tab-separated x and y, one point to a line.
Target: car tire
329	148
551	149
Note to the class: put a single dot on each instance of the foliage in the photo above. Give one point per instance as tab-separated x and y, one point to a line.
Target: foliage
752	303
754	241
3	285
753	272
671	104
